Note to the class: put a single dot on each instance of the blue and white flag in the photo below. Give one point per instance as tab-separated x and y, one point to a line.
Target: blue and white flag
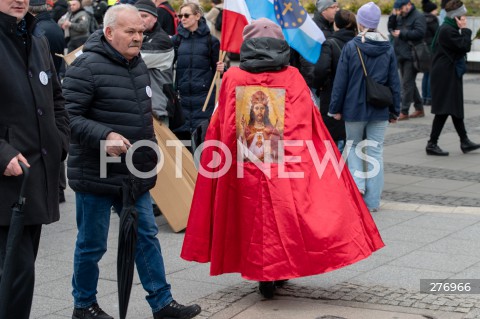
299	30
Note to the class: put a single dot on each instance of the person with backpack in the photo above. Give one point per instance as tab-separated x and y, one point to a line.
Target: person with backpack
345	26
214	18
167	18
197	54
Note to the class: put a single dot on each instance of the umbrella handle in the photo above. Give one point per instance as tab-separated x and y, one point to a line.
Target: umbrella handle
26	173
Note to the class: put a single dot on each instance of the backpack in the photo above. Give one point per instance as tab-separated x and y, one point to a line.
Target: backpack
176	20
218	22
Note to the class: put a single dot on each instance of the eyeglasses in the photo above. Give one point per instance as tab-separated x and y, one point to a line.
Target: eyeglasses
186	15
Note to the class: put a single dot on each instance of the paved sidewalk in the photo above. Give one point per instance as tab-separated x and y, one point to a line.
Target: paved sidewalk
429	220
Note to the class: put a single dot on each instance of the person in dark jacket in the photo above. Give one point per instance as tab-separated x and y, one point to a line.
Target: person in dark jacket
323	17
60	7
430	12
410	29
33	130
56	40
108	95
363	122
451	45
345	26
167	17
197	51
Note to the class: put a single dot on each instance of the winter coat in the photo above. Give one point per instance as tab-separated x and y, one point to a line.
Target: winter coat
349	88
33	122
325	70
106	93
165	19
412	29
79	29
446	86
432	26
158	54
197	57
54	35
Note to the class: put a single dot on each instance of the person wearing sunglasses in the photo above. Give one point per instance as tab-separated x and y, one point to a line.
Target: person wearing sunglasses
197	54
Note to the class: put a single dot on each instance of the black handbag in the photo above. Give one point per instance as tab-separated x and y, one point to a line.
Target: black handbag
422	56
174	108
378	95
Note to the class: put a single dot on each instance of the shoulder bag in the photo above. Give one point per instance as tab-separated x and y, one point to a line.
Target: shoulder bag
378	95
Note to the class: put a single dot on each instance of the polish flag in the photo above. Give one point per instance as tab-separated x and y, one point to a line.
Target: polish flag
235	17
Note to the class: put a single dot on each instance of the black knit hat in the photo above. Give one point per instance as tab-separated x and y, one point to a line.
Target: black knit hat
147	6
428	6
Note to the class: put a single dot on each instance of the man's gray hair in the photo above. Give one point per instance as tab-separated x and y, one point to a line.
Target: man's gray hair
110	19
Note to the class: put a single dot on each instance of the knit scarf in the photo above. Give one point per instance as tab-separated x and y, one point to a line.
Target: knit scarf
447	21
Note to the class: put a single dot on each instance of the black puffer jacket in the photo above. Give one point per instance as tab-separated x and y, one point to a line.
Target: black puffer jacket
196	64
412	29
106	93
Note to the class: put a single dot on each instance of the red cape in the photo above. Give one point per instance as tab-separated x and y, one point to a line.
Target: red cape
276	228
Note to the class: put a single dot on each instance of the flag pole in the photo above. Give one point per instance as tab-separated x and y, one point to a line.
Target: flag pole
221	57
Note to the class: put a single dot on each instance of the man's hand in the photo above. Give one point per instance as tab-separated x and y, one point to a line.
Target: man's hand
119	147
337	116
13	168
396	33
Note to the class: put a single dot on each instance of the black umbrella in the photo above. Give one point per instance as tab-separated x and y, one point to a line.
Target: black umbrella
14	235
127	241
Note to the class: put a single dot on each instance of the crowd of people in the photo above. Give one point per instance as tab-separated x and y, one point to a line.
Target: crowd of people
135	54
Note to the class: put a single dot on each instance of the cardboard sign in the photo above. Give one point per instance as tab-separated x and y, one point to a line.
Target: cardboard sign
173	191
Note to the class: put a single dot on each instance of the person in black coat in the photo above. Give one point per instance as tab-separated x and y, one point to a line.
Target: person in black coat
33	130
430	12
167	18
451	45
60	7
345	26
108	94
197	51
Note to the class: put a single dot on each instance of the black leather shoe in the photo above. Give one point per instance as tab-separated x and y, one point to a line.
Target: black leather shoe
267	289
467	146
92	312
434	149
174	310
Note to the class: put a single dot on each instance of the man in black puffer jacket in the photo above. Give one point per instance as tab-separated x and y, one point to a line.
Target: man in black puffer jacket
108	96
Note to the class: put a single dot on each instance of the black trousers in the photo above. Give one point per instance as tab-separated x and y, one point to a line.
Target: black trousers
439	122
20	298
410	93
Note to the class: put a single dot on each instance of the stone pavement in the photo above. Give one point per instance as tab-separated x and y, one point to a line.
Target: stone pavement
429	220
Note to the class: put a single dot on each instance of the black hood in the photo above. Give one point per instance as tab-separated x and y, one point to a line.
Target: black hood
264	54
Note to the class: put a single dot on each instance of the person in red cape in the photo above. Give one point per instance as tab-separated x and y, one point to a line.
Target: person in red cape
298	216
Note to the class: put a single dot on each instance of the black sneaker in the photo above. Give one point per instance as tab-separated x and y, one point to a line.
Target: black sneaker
174	310
92	312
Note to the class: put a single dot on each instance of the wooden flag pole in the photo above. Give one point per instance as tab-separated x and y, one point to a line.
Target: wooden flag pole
221	57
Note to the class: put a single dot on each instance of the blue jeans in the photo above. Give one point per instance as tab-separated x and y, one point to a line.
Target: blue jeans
426	94
93	221
371	162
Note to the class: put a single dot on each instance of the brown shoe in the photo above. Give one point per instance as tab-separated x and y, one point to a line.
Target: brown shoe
417	114
402	117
